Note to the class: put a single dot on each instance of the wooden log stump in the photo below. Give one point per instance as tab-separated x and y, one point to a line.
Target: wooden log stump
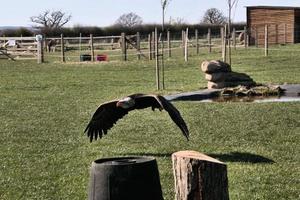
199	177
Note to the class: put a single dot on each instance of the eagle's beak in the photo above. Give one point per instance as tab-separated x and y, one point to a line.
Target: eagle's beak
119	104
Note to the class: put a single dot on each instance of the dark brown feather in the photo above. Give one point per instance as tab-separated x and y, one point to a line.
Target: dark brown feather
108	114
103	119
175	116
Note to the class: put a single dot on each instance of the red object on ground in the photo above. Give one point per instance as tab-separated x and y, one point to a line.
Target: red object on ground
102	57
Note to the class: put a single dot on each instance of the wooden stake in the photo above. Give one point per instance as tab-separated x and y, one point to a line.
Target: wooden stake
209	39
156	60
245	37
256	36
234	38
153	44
138	45
224	42
150	46
169	44
80	41
222	36
199	177
197	41
186	48
62	42
124	48
183	42
44	43
228	39
284	37
266	40
276	33
40	51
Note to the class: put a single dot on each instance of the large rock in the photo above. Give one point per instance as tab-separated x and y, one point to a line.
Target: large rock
215	66
227	77
219	75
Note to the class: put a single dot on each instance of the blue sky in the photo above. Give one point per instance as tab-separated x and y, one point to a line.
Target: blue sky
106	12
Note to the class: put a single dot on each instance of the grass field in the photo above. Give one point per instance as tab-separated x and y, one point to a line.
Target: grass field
45	108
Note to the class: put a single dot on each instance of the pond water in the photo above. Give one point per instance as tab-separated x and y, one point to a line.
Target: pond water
255	99
291	94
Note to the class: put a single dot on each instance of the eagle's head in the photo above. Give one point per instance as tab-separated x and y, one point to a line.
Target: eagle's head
126	103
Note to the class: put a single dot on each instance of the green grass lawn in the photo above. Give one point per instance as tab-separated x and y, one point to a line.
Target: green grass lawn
45	108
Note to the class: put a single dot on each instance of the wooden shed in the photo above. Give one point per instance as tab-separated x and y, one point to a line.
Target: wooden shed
283	24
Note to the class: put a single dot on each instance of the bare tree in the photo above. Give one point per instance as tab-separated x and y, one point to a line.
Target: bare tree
129	20
178	21
214	16
164	4
231	3
50	20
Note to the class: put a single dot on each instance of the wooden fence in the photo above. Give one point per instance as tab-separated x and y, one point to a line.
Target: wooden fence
142	46
19	47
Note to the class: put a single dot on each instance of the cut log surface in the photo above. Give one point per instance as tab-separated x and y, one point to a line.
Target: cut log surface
199	177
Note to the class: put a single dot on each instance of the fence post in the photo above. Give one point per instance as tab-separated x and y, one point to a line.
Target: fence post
62	42
228	37
222	36
182	42
256	36
138	45
80	41
224	44
266	40
150	46
44	43
186	50
169	43
197	41
156	60
40	51
284	29
92	48
245	37
112	43
153	44
209	39
124	48
276	33
234	38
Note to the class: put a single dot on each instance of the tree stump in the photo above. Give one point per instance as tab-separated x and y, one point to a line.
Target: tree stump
199	177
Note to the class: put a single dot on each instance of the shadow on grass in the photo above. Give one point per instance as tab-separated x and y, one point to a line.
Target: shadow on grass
226	157
160	155
242	157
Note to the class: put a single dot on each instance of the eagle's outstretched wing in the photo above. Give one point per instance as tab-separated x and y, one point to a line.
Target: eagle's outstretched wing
103	119
175	116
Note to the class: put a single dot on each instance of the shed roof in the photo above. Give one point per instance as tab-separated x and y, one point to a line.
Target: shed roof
275	7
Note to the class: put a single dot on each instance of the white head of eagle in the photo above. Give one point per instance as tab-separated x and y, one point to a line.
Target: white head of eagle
126	103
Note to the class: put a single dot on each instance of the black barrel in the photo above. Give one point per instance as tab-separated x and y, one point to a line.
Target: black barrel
126	178
85	57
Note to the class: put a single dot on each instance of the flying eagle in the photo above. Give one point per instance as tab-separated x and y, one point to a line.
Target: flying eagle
110	112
